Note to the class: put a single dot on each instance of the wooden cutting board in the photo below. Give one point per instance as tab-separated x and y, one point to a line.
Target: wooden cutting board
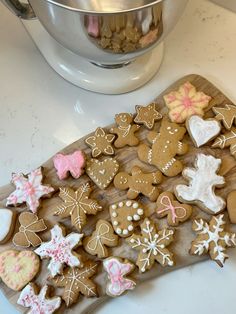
127	157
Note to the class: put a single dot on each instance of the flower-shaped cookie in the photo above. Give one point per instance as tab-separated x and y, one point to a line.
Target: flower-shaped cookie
185	102
101	143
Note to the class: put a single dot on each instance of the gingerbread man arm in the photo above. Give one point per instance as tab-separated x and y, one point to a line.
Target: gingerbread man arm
145	154
182	148
135	170
132	194
152	137
114	130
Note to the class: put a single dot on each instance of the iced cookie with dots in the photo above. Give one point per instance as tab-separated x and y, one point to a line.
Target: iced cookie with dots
124	217
7	224
139	182
147	115
165	145
100	239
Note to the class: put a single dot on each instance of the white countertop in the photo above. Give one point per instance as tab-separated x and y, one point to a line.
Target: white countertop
41	113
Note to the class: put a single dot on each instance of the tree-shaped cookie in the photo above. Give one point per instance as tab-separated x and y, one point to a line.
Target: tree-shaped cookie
203	180
139	182
227	140
101	143
226	114
212	238
77	204
147	115
151	245
102	237
77	281
38	303
165	146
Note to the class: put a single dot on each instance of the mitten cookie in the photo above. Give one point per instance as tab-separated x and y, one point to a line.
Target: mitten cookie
18	268
60	250
102	237
226	114
72	163
175	211
147	115
203	180
124	217
185	102
212	238
227	140
28	190
29	226
76	281
117	271
101	143
165	146
139	182
38	302
125	130
231	206
151	245
7	224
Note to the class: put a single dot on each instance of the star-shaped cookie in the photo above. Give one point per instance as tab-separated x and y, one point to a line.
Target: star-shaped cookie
147	115
226	114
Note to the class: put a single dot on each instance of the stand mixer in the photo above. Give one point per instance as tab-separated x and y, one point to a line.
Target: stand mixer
107	46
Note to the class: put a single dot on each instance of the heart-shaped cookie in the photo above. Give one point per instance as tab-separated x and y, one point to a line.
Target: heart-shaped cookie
102	172
18	268
202	131
7	224
124	216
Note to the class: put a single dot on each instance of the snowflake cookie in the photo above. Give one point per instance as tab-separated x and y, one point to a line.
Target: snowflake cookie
203	180
28	190
59	250
226	114
75	281
152	246
117	271
227	140
38	303
185	102
147	115
212	238
77	204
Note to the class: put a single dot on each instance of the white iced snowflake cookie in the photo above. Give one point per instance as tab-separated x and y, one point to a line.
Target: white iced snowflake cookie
202	131
7	224
59	250
203	180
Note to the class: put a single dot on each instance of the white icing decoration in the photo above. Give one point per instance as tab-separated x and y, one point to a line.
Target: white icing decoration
135	205
6	219
140	211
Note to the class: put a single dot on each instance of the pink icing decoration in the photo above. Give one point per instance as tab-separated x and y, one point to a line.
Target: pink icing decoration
165	201
73	163
17	268
93	26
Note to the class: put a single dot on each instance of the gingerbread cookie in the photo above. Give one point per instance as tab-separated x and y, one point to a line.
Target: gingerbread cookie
151	245
30	224
147	115
231	206
102	237
212	238
203	180
185	102
77	280
102	172
28	190
202	131
39	303
72	163
165	146
125	130
139	182
227	115
7	224
124	216
117	271
175	211
227	140
101	143
77	204
18	268
60	250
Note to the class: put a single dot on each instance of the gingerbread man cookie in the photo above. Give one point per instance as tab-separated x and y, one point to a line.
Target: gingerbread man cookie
125	130
165	146
226	114
101	143
139	183
102	237
7	224
147	115
185	102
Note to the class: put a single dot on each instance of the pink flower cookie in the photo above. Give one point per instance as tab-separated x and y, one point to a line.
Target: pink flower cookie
117	270
28	190
72	163
185	102
38	303
59	250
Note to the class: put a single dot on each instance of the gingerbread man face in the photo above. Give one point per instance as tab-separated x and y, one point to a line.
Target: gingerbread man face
124	119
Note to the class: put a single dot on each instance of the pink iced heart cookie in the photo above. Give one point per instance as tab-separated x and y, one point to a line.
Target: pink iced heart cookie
18	268
72	163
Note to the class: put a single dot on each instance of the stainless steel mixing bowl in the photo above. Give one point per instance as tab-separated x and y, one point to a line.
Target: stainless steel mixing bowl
106	32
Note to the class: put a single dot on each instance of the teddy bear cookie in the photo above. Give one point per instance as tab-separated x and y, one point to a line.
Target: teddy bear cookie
226	114
7	224
139	182
125	130
185	102
124	217
147	115
165	146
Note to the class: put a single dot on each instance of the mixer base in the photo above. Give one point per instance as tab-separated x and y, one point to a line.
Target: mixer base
82	73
